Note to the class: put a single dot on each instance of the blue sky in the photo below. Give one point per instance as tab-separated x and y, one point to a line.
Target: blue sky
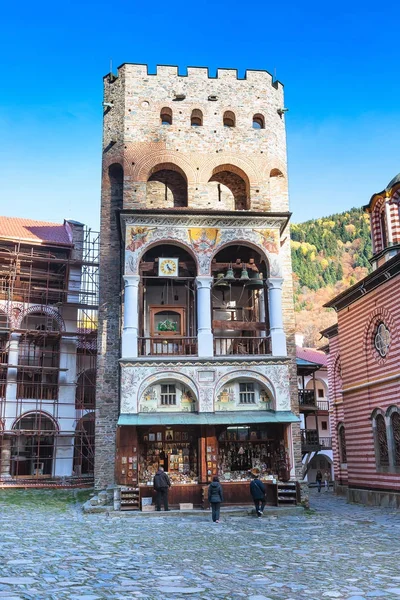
338	62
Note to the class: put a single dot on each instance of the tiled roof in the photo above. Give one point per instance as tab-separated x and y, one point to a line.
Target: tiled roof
311	355
33	231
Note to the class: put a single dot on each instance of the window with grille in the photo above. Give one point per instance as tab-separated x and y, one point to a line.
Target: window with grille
381	442
382	339
246	393
395	419
168	395
342	445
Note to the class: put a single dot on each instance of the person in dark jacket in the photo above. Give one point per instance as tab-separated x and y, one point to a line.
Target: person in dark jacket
161	484
215	497
318	479
257	491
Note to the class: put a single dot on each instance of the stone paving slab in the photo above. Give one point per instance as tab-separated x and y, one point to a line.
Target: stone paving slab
335	551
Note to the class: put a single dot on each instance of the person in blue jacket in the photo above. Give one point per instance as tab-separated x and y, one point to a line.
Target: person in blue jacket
257	491
215	497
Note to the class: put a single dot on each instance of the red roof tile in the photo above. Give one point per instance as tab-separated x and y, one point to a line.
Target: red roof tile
312	355
34	231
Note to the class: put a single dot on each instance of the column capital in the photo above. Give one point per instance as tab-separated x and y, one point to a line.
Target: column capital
275	283
204	282
131	280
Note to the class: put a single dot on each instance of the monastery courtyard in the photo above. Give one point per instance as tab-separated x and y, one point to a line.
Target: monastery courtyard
51	550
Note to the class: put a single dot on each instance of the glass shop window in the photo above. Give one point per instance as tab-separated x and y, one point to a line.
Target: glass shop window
168	395
246	393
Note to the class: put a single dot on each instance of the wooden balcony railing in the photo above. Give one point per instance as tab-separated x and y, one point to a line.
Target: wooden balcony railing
311	441
307	398
225	346
323	405
167	346
37	391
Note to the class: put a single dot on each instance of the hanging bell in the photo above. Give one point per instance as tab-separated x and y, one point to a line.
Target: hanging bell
244	276
256	282
229	275
220	281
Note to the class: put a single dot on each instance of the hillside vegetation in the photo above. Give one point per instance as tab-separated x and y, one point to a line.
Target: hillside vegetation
328	256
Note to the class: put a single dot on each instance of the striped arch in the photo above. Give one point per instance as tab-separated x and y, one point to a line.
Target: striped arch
40	309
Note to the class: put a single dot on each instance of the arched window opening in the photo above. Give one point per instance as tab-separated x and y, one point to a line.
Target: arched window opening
229	119
86	390
196	119
258	122
382	449
229	187
166	116
32	449
84	446
277	184
239	302
382	218
167	187
395	422
39	358
342	444
168	318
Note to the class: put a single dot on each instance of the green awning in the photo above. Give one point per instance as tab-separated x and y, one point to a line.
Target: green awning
219	418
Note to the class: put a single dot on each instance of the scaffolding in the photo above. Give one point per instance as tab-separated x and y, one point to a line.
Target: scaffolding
48	348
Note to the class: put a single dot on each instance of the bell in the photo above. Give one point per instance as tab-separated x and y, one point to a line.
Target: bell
229	275
220	282
244	276
255	283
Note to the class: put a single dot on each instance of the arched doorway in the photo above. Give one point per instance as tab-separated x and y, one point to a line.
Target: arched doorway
84	445
32	448
240	302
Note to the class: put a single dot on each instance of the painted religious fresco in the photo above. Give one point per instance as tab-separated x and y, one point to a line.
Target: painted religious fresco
242	395
168	396
221	391
202	242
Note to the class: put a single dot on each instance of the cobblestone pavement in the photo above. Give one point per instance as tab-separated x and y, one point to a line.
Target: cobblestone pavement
51	550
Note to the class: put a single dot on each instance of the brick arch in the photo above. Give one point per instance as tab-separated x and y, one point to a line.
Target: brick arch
240	166
143	169
40	309
274	165
378	315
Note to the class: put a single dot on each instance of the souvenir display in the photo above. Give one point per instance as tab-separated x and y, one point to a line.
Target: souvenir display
177	457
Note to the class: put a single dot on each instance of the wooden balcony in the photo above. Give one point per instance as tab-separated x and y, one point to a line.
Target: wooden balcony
312	442
253	346
167	346
307	399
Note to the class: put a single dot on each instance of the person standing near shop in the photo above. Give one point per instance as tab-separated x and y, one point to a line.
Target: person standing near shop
257	491
161	484
215	497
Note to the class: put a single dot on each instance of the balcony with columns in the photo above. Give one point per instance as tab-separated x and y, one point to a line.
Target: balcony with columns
169	310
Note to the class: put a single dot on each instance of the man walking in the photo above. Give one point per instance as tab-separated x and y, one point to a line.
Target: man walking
161	484
257	491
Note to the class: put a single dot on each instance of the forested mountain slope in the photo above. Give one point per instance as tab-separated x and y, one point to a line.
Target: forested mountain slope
328	255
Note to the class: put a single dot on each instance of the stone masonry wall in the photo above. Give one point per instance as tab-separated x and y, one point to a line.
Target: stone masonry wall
135	138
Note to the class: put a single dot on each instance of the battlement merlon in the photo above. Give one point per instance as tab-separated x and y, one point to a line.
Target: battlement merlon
260	78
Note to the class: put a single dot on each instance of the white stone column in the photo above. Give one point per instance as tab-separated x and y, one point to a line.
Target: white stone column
278	338
261	304
388	223
204	332
131	317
